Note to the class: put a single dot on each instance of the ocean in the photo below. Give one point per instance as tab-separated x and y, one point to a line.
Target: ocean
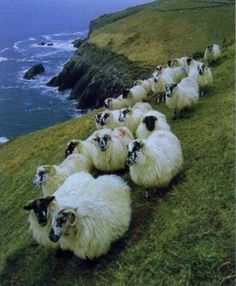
29	105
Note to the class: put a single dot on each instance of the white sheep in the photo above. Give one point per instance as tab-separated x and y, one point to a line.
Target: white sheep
97	218
160	79
116	103
186	63
202	75
212	53
146	84
135	94
143	106
52	176
108	119
150	122
110	149
130	118
40	210
182	96
155	161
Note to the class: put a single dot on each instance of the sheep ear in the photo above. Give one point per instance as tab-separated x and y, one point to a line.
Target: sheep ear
125	93
173	86
71	213
49	199
28	206
189	61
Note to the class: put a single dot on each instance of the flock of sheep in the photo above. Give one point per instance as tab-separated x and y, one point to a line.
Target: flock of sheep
85	214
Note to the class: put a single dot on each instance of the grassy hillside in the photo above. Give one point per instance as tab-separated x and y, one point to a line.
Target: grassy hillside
184	236
166	29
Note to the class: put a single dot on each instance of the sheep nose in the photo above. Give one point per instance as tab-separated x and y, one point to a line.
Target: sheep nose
52	236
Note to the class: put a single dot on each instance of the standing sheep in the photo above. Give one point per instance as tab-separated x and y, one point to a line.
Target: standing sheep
182	96
150	122
97	218
212	53
155	161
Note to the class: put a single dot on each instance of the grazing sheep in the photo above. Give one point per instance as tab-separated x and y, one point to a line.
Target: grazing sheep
110	150
130	118
155	161
160	79
146	84
107	119
212	53
150	122
202	75
182	96
97	218
116	103
41	209
143	106
53	176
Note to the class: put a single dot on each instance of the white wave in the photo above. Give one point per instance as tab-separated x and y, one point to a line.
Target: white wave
4	50
3	140
3	59
9	86
39	108
31	39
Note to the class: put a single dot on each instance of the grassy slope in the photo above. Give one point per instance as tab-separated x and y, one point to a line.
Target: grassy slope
159	32
183	238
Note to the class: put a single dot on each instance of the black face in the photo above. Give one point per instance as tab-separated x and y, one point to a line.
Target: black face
123	114
70	148
104	118
169	89
133	149
210	47
98	117
125	93
40	208
169	63
107	102
189	61
149	121
103	142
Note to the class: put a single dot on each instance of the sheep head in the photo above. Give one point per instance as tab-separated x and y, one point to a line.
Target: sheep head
107	102
102	141
40	208
61	221
42	171
71	145
188	61
201	69
123	113
150	122
169	89
125	93
134	149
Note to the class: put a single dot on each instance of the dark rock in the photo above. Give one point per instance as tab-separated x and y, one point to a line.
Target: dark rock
32	72
41	44
77	43
50	44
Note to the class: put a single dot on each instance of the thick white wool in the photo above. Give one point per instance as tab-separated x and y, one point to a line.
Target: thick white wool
143	106
160	124
117	103
159	160
132	119
146	84
103	216
185	94
205	79
212	53
111	121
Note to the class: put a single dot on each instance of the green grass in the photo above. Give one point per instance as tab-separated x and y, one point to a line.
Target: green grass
159	32
184	237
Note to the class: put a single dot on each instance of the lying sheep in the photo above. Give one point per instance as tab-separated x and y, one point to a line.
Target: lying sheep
146	84
130	118
116	103
150	122
97	218
155	161
212	53
40	210
110	149
143	106
52	176
79	146
135	94
182	96
107	119
202	75
160	79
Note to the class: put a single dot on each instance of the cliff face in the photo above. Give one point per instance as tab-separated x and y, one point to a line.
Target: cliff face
94	74
124	46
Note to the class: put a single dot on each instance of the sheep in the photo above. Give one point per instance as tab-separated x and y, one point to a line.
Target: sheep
97	218
116	103
52	176
110	149
146	84
155	161
212	53
40	209
150	122
186	63
143	106
130	118
107	119
135	94
182	96
202	75
160	79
